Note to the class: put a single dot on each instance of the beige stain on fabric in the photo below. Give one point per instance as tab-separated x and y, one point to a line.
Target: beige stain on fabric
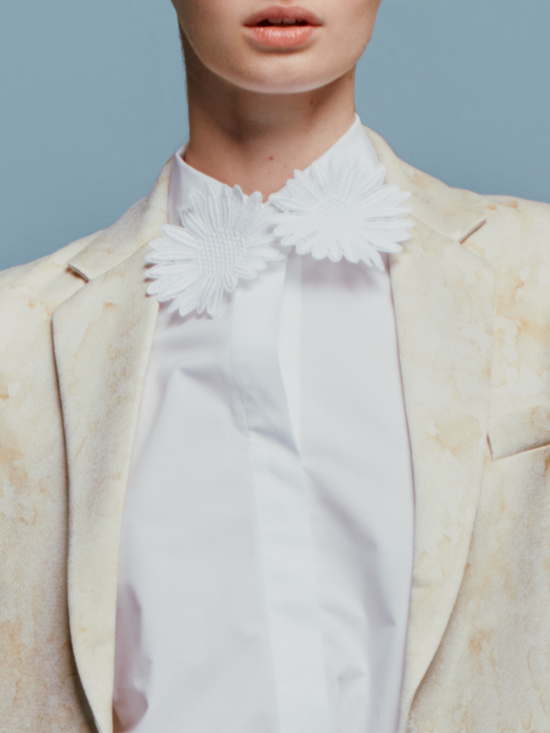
491	670
39	687
473	320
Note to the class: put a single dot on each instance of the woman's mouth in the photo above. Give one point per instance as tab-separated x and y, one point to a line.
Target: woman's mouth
282	27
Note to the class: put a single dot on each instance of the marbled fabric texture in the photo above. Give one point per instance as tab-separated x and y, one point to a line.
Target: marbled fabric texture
472	300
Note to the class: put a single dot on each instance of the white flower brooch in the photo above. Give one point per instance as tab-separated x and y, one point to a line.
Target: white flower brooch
335	210
340	211
223	237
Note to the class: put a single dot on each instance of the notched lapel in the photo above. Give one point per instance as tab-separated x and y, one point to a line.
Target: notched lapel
102	339
443	298
444	305
455	213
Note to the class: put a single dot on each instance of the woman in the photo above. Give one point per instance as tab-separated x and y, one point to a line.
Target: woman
218	444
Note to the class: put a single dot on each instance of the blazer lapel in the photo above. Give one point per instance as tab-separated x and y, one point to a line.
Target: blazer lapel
102	340
443	297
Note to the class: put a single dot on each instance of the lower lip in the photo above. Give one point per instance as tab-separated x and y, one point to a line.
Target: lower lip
281	37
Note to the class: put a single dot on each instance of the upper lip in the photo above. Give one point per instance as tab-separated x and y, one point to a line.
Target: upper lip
280	12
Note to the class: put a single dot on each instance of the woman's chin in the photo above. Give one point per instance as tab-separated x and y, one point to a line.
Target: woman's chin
283	75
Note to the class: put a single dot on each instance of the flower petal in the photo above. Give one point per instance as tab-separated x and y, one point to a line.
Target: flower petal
187	301
341	209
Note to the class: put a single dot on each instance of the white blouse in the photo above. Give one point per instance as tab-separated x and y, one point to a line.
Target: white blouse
267	537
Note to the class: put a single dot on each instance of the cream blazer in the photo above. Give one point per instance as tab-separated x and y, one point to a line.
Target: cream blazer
472	300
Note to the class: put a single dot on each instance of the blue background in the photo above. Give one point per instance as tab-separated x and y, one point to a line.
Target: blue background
93	103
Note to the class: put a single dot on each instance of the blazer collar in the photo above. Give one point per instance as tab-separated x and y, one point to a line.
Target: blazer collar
450	211
102	339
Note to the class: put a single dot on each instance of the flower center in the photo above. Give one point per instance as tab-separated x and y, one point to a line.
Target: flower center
220	252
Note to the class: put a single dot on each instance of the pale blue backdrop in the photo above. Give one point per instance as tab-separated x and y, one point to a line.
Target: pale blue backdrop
92	96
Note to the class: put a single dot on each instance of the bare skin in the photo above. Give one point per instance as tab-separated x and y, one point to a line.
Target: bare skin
258	112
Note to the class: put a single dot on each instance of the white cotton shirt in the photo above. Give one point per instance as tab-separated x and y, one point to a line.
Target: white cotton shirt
267	538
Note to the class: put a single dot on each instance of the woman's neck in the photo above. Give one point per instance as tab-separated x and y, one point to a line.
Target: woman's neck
257	140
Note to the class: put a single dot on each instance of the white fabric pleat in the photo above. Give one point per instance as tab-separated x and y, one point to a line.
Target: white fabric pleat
290	340
284	525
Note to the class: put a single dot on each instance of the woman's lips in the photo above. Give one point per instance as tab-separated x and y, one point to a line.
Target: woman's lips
278	37
282	27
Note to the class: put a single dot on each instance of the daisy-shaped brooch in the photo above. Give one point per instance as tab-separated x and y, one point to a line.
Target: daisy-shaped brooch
224	236
341	210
